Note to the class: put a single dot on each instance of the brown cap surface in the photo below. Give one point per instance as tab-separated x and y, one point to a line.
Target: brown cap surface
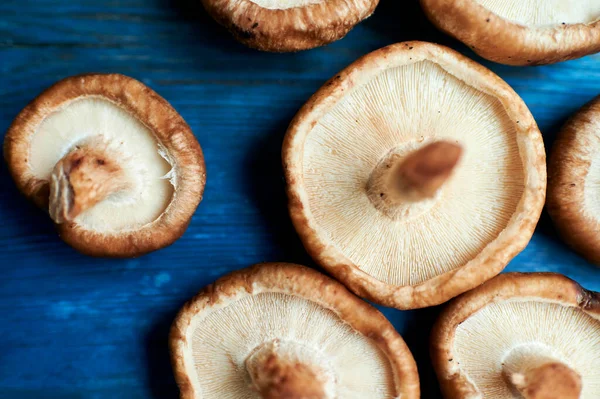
524	32
574	182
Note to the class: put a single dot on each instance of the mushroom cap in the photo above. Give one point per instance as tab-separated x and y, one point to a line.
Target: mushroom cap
574	182
141	130
516	321
289	25
394	100
219	331
525	32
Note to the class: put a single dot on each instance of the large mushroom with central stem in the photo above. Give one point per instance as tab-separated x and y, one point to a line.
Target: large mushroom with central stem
535	336
117	168
278	331
414	175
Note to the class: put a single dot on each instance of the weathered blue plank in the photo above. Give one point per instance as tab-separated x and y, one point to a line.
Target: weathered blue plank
75	327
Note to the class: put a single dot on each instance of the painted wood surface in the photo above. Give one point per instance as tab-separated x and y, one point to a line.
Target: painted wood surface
75	327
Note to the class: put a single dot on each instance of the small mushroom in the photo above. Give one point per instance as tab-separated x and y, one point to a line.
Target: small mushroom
289	25
574	182
520	32
118	169
532	336
414	175
280	330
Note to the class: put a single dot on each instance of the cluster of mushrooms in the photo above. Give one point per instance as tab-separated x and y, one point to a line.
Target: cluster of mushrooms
413	176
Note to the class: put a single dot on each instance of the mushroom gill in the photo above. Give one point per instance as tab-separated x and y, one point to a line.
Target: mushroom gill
271	342
542	13
284	4
574	182
592	182
427	213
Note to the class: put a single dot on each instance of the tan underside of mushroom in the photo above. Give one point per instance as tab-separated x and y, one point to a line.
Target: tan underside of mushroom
574	182
591	192
402	110
514	348
285	4
106	169
271	342
545	12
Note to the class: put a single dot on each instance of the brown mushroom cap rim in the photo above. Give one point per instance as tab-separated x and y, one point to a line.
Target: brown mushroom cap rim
574	158
298	281
523	287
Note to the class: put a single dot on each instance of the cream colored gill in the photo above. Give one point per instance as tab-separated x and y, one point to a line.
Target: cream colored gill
545	12
135	148
285	4
405	107
511	336
223	340
591	190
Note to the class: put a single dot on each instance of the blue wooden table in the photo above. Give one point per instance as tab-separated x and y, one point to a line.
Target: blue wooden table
76	327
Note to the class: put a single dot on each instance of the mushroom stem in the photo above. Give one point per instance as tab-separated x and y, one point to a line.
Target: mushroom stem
274	376
415	177
552	380
82	178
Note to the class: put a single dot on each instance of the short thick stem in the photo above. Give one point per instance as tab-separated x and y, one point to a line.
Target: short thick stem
401	184
82	178
276	376
417	176
551	380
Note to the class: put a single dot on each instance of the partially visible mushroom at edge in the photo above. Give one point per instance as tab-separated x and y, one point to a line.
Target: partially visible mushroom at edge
521	32
280	330
118	169
414	175
289	25
532	335
574	182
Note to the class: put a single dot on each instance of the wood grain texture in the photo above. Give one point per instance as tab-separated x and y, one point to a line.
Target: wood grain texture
75	327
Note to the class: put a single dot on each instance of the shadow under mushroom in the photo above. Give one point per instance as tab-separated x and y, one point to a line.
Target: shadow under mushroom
265	186
405	20
417	329
158	358
208	32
